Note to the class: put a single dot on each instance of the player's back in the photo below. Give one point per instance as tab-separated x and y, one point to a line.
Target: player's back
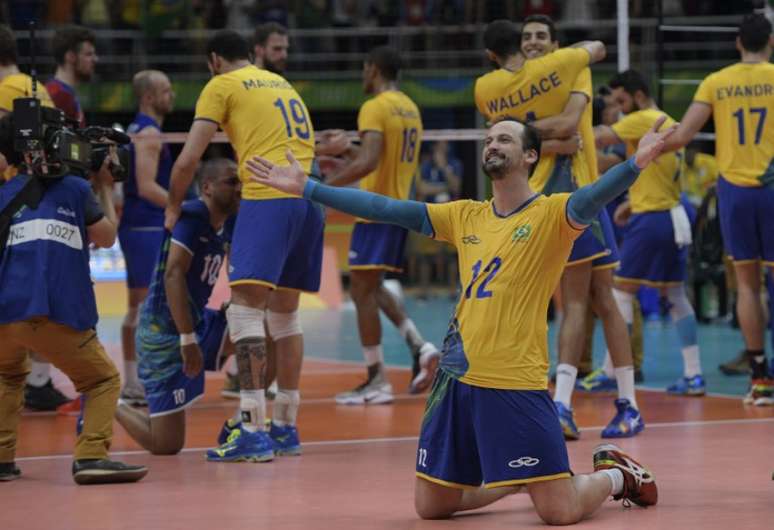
20	86
397	118
262	114
539	89
742	97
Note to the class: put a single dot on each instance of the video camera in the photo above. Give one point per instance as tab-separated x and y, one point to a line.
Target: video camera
50	146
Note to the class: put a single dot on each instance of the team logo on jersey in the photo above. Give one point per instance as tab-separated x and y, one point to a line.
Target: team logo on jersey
521	234
471	240
524	461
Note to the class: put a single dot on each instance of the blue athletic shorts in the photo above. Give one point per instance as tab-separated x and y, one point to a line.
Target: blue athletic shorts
377	246
649	255
596	244
278	243
140	246
472	436
160	365
747	221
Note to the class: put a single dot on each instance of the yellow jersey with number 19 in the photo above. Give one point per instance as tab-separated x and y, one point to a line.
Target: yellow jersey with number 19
397	118
262	114
509	267
742	97
539	89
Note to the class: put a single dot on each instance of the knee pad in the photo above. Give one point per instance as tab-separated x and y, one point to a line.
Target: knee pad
678	300
132	318
625	301
244	322
283	325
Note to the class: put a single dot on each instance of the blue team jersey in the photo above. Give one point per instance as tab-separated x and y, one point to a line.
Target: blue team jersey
138	211
195	234
44	270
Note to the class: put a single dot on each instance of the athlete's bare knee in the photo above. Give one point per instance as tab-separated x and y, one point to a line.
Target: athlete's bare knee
430	509
166	447
558	512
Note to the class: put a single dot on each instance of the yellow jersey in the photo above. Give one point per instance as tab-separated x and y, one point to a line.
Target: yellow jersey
397	118
509	267
539	89
742	96
658	186
262	114
19	86
696	179
588	152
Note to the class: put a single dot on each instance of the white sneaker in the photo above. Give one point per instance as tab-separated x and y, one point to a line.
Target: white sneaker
376	391
428	358
134	394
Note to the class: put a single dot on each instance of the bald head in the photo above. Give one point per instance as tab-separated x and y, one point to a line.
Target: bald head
153	91
510	146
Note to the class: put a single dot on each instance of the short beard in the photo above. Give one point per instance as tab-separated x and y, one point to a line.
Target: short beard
273	67
497	172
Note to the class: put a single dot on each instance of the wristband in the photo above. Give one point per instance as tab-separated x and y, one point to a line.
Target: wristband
186	339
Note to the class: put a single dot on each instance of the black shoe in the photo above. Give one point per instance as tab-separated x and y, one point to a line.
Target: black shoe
44	397
104	471
639	377
9	472
739	365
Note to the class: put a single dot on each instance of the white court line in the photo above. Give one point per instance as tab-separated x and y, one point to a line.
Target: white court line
397	439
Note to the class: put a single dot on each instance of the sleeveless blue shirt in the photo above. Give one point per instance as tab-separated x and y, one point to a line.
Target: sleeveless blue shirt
44	270
137	211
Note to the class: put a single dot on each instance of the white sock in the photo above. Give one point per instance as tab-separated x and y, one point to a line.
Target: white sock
286	405
607	366
252	405
130	373
40	373
624	376
565	383
373	355
231	365
616	480
691	362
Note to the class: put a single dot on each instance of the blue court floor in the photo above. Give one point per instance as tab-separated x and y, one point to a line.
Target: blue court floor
332	335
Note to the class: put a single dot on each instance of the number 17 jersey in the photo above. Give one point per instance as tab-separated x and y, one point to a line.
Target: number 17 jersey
397	118
509	266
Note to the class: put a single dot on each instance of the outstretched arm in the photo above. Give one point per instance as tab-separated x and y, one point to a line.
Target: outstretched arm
588	201
292	179
693	120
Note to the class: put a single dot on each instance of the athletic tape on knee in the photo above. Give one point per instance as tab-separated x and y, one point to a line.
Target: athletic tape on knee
283	325
244	323
625	300
678	300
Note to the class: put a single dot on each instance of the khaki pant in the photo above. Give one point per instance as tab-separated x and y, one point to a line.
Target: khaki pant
81	357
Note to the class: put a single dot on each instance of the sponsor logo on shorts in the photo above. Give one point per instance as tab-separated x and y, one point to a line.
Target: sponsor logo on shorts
521	234
471	240
527	461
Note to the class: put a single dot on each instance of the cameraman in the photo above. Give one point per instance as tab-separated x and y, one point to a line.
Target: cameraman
48	306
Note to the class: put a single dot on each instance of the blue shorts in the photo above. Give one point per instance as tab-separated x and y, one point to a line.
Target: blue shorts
473	436
596	244
649	254
140	246
747	221
160	366
278	243
377	246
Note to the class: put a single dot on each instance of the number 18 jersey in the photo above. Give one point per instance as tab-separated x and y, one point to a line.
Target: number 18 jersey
509	267
397	118
194	233
262	114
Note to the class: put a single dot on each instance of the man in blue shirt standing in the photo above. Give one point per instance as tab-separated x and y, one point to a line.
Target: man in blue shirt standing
48	306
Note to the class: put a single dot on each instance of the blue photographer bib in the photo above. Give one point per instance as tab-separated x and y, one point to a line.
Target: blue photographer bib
44	270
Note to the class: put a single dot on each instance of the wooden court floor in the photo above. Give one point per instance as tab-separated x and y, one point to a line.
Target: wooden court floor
712	459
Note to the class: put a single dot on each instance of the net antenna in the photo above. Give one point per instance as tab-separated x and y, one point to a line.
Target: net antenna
33	71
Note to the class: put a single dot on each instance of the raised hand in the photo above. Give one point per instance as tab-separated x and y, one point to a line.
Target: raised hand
652	143
290	179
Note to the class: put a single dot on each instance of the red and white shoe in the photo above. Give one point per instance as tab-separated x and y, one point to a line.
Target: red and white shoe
639	484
